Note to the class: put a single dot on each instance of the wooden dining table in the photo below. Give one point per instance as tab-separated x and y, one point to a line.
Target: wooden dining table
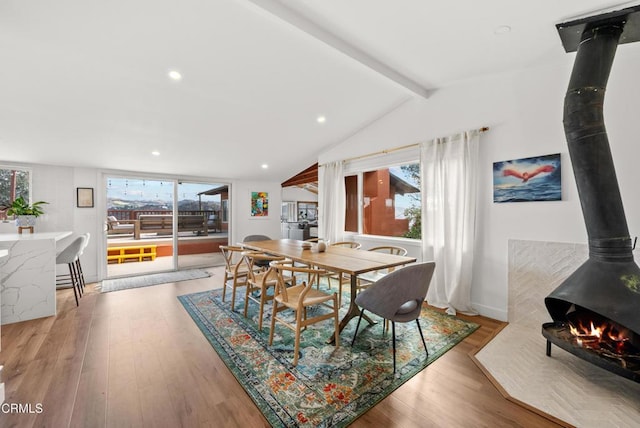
341	260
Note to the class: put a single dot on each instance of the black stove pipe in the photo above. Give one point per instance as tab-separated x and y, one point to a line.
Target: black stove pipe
608	283
588	143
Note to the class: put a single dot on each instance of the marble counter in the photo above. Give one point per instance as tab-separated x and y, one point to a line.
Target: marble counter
28	275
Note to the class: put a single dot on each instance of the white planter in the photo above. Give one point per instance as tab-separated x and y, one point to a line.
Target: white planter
25	220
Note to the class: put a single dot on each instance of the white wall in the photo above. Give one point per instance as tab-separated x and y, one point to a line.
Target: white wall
57	185
298	194
242	222
524	112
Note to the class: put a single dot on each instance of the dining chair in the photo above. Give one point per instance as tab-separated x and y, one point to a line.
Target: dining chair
235	270
250	238
398	297
342	279
368	278
256	238
298	298
261	280
68	257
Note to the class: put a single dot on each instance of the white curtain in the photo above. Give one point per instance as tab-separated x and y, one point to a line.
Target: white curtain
332	202
449	177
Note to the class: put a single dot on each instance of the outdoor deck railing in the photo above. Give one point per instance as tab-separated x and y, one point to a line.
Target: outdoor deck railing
134	214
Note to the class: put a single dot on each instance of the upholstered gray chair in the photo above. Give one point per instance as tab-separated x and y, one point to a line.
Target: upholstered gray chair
259	263
256	238
397	297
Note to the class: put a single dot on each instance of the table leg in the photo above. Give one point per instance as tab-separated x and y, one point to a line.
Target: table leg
352	312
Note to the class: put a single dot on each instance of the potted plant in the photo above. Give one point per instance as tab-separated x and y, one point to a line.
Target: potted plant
25	214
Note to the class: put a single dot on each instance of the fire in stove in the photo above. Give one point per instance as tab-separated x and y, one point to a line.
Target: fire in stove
605	337
598	340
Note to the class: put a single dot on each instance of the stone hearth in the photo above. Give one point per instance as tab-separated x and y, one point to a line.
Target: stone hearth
563	386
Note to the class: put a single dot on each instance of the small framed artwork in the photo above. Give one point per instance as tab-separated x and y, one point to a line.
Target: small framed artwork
528	179
259	204
84	197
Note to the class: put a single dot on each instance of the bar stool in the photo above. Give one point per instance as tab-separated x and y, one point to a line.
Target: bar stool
69	256
87	236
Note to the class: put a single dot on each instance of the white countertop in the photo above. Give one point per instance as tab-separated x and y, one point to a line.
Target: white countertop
4	253
26	236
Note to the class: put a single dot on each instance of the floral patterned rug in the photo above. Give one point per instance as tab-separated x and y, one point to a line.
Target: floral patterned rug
330	387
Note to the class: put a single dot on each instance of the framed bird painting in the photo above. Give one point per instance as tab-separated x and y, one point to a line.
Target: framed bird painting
528	179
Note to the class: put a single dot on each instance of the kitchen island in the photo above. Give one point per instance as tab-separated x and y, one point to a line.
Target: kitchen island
28	275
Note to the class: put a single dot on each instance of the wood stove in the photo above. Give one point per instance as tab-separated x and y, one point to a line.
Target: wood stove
596	311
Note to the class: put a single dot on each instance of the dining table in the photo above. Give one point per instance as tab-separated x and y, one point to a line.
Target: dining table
342	260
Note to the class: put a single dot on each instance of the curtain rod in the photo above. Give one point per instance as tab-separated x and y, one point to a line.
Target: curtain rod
395	149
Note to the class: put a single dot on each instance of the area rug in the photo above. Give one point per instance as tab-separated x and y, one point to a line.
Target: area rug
330	387
117	284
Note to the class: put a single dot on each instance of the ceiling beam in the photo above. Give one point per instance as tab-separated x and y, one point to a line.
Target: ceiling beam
299	21
309	175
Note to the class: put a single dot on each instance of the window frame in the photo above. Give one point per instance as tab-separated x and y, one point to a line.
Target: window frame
29	171
361	166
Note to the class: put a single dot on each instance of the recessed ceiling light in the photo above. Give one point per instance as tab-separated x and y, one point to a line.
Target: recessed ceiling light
265	166
321	119
155	153
175	75
502	29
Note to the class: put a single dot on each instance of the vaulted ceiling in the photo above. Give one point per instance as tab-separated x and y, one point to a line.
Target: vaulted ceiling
86	83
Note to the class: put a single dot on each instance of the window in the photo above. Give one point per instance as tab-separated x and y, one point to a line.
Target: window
307	211
14	182
225	210
390	199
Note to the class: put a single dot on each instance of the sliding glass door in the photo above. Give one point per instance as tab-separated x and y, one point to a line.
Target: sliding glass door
158	225
200	227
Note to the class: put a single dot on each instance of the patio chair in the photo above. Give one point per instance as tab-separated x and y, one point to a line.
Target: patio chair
398	297
123	227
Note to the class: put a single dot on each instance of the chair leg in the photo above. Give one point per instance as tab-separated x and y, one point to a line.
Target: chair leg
73	285
357	327
296	348
81	274
393	329
233	293
224	286
336	323
263	301
246	299
273	321
422	337
76	278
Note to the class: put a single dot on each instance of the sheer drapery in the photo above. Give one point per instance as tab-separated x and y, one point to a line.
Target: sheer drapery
449	177
332	202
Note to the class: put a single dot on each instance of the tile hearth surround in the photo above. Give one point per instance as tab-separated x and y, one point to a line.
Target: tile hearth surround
563	386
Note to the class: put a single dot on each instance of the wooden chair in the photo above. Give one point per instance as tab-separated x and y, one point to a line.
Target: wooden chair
342	279
260	280
368	278
298	298
235	269
398	297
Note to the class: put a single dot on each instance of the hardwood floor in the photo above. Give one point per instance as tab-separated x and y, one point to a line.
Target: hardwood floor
135	358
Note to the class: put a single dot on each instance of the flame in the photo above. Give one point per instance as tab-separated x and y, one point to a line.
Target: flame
591	335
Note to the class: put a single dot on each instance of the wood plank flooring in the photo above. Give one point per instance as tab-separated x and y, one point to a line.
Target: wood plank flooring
135	358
